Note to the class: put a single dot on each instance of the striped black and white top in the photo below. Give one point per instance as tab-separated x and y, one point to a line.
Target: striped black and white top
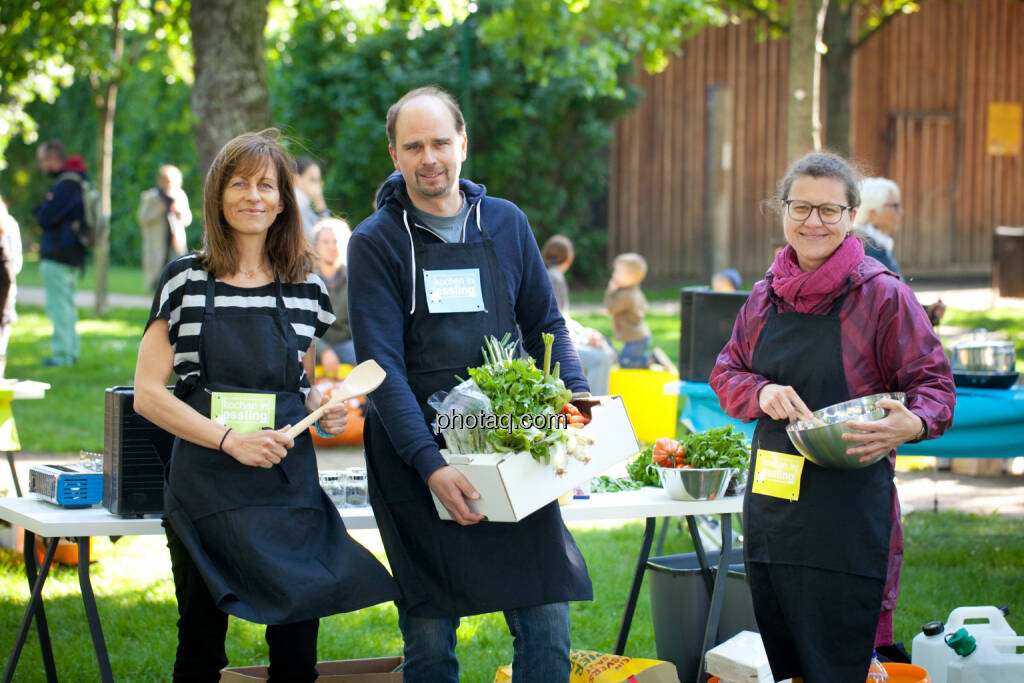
181	300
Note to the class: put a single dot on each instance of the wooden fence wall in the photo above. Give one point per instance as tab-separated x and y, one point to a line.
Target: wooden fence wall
921	92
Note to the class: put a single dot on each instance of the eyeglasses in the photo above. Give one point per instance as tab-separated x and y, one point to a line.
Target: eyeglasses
894	205
801	211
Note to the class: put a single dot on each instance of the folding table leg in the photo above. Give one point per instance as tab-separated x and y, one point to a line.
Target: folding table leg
91	613
698	548
717	595
35	608
660	547
14	474
634	589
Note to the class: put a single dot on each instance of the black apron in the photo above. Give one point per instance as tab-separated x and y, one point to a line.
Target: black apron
269	543
841	521
442	568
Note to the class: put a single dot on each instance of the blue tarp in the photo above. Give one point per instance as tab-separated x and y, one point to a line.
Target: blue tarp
987	423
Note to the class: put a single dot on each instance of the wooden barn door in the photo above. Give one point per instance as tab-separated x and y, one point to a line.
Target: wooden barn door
922	161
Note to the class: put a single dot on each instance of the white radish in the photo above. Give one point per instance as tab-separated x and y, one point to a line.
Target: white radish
576	447
560	458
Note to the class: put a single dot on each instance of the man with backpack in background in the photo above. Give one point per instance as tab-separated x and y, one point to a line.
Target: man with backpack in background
62	217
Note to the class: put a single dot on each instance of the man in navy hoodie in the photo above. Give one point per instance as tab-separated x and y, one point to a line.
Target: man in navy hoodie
436	269
60	252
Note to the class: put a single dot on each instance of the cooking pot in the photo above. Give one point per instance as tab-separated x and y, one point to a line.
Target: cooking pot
984	355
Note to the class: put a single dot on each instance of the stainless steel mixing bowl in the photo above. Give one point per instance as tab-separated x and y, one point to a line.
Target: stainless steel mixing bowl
823	444
695	483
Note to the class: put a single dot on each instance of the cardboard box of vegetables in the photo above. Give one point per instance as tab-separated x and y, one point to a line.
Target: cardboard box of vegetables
513	432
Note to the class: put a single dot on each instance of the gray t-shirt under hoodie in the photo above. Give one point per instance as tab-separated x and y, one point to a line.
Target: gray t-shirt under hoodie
448	228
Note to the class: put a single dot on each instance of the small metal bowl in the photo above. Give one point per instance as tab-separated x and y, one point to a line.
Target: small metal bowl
823	444
695	483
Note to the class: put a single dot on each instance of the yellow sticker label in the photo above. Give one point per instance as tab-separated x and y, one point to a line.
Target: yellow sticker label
244	413
778	474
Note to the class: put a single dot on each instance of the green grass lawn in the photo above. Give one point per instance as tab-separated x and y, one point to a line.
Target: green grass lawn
70	418
952	559
120	279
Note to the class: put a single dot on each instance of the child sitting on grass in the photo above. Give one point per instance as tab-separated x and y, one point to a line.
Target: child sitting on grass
628	306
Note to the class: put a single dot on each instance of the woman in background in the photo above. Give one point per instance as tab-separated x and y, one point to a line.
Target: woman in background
10	255
826	325
249	529
331	246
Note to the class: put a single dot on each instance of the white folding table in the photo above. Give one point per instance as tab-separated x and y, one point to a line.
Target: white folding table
52	522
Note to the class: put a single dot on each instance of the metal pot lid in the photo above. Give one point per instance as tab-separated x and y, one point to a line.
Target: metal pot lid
985	344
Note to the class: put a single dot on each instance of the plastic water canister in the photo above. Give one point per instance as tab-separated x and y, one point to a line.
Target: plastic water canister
980	622
929	651
997	659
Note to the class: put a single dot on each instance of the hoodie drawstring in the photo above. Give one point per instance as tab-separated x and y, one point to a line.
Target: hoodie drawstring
412	251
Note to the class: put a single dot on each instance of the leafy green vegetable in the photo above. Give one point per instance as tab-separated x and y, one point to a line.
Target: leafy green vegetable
606	484
517	387
642	471
717	447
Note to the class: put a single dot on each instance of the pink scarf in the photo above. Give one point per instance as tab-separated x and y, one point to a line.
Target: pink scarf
806	291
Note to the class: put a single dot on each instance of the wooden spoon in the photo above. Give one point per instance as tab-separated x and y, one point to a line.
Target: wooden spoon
362	379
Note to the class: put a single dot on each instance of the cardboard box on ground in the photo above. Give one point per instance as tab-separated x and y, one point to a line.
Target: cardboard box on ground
376	670
597	667
513	485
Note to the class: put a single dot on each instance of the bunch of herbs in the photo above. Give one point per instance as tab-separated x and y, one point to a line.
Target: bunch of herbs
517	387
717	447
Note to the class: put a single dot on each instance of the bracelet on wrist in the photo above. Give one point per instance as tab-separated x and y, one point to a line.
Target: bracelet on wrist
320	432
220	447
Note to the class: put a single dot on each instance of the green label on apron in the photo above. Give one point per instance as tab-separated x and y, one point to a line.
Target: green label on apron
244	413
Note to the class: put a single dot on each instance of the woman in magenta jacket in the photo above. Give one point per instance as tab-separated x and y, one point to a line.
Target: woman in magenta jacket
824	326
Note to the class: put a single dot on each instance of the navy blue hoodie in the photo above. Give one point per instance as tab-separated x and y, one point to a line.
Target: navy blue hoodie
56	214
380	267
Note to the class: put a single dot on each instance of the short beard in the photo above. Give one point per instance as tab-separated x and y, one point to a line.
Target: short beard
435	191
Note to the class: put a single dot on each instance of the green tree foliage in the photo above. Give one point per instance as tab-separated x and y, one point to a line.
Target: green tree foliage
591	40
153	127
543	146
32	65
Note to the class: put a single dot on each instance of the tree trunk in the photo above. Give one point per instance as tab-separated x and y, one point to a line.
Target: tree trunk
803	56
230	95
101	245
108	107
838	64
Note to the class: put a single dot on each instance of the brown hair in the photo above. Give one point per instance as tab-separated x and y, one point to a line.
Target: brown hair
425	91
556	250
246	155
820	165
54	148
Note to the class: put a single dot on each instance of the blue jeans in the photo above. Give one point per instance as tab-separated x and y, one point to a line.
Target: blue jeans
59	284
540	645
597	363
635	354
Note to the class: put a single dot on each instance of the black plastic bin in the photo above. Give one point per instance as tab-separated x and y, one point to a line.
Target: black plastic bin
1008	261
680	601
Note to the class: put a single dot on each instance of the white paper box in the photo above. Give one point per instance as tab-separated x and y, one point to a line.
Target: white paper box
512	485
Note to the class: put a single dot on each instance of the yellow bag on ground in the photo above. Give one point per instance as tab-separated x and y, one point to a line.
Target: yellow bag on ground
597	667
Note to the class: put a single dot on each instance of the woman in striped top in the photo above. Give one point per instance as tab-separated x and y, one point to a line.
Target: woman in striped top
249	530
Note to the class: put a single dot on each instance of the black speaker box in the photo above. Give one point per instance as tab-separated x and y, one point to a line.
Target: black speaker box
135	452
706	321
